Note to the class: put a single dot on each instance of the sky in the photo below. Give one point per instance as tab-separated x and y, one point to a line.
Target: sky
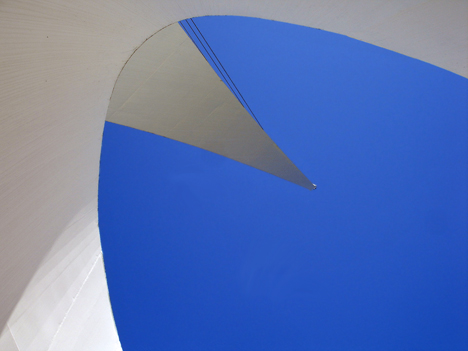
204	253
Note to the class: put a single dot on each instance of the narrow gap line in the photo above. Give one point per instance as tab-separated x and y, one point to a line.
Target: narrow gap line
216	61
73	301
212	59
225	71
12	336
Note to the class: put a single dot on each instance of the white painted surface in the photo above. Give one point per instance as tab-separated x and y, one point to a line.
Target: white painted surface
7	343
59	61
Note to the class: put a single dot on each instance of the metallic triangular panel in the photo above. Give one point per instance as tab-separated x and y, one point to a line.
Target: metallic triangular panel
169	89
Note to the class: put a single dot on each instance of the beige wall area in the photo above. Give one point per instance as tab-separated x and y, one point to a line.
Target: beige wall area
59	63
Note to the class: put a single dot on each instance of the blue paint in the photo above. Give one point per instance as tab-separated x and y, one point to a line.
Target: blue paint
203	253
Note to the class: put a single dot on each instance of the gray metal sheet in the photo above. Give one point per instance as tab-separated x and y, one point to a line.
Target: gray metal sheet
168	88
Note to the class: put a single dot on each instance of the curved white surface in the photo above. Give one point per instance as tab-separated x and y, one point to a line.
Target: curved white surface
59	62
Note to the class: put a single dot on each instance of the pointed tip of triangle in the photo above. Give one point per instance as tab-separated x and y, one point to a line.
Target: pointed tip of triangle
308	185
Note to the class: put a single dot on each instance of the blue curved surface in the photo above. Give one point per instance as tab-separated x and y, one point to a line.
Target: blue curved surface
203	253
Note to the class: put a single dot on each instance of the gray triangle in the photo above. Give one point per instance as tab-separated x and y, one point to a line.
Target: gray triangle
169	89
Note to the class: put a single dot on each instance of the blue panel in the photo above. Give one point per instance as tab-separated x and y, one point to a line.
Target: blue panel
203	253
